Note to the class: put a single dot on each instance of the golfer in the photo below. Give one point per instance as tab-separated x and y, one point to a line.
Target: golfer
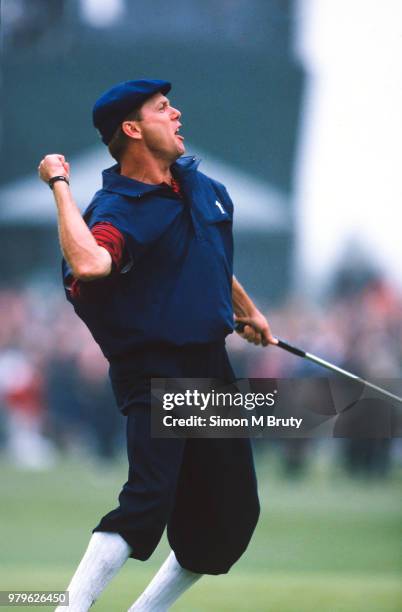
148	268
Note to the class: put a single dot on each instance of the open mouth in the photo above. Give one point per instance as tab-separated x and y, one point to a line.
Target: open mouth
177	133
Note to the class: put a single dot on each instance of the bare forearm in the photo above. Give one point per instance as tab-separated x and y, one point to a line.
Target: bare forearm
86	259
243	305
255	327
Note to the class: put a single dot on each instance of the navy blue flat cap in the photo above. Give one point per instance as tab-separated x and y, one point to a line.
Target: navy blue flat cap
116	103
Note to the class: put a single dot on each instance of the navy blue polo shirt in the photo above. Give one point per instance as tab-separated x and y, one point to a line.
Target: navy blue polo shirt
177	285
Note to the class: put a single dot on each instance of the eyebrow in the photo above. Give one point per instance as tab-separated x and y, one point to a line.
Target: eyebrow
164	101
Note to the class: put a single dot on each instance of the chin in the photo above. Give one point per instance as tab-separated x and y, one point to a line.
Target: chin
179	152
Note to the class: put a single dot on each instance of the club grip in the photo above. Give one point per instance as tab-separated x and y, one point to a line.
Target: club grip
239	327
291	349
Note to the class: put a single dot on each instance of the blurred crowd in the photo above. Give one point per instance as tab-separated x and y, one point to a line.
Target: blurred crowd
55	397
54	389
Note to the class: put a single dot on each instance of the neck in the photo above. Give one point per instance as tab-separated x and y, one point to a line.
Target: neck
146	169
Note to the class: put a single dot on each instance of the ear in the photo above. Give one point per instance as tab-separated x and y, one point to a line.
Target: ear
132	129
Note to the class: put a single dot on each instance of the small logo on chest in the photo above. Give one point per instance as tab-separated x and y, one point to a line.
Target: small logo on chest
219	205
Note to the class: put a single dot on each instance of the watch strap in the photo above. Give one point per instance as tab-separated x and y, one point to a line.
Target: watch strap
54	180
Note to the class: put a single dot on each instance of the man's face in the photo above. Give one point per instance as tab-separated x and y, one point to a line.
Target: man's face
159	127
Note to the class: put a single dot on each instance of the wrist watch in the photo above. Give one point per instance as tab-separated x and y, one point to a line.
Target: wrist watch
54	180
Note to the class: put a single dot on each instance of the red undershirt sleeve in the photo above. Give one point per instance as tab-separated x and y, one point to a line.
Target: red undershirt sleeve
111	239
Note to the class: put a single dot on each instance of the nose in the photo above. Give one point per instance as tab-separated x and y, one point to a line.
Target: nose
176	114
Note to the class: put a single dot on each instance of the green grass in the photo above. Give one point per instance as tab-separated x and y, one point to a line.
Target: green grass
324	543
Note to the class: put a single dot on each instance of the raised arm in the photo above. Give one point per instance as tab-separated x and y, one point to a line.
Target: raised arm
85	257
256	328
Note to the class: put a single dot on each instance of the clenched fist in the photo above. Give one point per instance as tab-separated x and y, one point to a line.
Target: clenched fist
53	165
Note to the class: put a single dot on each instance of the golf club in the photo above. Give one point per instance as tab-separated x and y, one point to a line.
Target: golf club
239	327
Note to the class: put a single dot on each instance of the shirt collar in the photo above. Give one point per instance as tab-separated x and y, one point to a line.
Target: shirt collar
116	183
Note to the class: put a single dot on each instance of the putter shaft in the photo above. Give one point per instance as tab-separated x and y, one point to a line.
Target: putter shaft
239	327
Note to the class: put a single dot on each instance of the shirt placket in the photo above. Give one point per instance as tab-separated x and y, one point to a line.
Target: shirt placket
192	200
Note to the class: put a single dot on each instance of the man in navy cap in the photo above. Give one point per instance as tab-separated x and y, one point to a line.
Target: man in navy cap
148	268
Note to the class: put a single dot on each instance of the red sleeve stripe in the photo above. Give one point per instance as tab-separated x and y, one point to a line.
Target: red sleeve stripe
110	238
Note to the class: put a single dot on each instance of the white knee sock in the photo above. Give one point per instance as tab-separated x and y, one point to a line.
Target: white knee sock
105	555
167	586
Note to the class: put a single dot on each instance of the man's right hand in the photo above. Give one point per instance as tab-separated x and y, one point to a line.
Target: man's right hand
53	165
